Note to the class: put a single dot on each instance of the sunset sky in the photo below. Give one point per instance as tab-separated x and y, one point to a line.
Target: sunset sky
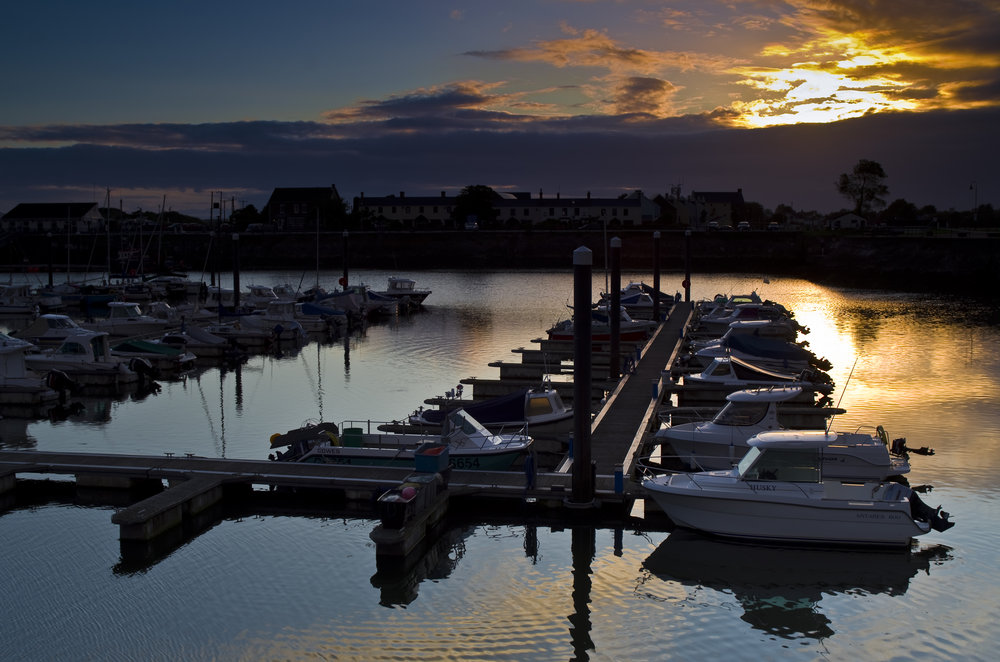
778	98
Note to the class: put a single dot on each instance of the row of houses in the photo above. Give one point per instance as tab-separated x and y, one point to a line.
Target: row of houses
298	208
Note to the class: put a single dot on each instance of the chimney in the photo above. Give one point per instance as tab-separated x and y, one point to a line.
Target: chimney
539	194
588	195
402	194
442	194
557	195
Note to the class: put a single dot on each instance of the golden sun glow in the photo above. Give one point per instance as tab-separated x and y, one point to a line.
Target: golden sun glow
842	78
794	96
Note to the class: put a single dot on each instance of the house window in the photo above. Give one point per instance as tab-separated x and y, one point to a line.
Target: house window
614	212
625	212
576	212
527	212
552	211
564	212
604	212
406	210
393	209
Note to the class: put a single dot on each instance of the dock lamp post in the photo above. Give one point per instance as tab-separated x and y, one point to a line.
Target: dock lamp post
656	276
344	281
583	472
49	235
687	266
236	272
614	308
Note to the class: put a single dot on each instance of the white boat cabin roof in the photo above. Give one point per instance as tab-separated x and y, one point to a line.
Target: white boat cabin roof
765	394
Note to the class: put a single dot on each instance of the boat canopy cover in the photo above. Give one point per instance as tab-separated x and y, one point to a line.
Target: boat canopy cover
767	347
768	394
501	409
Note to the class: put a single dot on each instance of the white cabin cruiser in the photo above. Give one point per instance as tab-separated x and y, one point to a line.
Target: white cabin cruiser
86	358
720	442
801	487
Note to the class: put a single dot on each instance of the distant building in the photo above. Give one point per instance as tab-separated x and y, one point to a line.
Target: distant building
721	208
61	217
521	208
406	209
296	209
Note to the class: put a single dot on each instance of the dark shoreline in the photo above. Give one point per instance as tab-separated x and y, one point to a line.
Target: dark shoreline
958	265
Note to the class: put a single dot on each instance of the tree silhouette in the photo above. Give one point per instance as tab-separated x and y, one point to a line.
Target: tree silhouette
864	185
475	201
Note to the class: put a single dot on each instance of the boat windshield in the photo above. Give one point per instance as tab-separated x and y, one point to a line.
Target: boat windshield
741	413
788	465
538	406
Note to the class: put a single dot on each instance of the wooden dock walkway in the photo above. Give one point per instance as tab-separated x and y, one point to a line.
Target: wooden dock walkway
621	426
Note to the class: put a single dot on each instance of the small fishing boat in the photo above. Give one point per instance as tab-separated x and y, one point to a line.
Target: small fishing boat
405	291
802	487
467	443
541	411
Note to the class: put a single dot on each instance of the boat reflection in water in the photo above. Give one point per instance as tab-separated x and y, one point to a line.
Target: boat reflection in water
780	588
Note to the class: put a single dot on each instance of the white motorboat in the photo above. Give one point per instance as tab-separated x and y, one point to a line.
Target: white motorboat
86	358
49	330
629	329
801	487
18	386
259	296
732	371
720	442
781	329
405	291
743	311
469	445
288	313
18	300
125	318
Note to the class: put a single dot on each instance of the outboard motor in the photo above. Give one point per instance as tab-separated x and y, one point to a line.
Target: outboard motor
145	370
60	382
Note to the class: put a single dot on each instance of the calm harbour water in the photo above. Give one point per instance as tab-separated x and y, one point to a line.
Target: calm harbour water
277	587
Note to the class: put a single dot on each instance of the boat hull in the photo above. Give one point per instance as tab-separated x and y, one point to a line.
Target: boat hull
755	515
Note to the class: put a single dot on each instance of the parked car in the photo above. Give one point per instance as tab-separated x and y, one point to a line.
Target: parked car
743	226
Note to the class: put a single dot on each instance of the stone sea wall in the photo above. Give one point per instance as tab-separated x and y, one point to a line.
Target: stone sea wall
911	263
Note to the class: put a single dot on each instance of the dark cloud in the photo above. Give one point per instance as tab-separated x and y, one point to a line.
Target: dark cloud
930	158
641	94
